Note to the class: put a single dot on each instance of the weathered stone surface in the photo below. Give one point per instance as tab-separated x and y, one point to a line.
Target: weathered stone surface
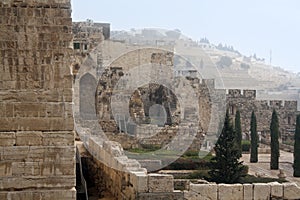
139	181
7	139
114	148
276	190
248	191
176	195
36	117
5	168
261	191
66	138
202	191
291	191
160	183
230	192
69	194
24	182
28	138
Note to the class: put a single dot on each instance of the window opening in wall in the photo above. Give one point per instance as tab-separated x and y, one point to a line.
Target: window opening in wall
76	45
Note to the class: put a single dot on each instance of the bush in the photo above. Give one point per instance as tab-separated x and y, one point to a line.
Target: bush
150	147
200	174
191	154
183	163
252	179
246	144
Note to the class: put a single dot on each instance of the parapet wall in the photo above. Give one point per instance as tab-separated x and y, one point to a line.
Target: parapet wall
245	101
124	177
255	191
37	153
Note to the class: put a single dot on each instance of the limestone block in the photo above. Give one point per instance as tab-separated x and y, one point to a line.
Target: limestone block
37	124
15	153
262	191
122	162
91	145
151	165
7	138
139	180
64	138
132	164
160	183
230	192
25	169
276	190
202	191
176	195
248	191
5	168
101	154
67	194
291	191
37	182
28	138
50	154
114	148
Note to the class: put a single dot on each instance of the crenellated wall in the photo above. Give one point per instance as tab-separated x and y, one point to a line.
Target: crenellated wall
246	102
37	153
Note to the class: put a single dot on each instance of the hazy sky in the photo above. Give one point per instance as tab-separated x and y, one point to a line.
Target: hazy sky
255	26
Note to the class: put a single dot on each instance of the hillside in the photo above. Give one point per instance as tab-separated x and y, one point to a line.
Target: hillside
235	69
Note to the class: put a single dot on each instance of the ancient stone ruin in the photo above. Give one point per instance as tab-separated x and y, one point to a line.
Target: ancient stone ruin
44	72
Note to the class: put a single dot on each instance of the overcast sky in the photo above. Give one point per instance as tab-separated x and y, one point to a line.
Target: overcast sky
256	26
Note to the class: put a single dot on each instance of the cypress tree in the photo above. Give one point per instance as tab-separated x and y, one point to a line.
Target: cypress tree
296	165
226	167
274	128
238	132
254	139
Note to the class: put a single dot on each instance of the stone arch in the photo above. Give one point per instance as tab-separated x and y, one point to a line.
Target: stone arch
87	90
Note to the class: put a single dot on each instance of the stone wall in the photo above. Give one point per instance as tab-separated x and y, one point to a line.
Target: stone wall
256	191
37	154
246	102
126	179
123	177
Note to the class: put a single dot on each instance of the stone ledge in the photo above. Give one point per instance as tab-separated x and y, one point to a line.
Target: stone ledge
66	194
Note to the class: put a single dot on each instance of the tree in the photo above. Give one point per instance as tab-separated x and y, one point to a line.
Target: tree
296	165
238	132
226	167
254	139
274	128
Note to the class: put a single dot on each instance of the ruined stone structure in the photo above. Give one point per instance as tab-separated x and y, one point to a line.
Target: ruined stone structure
36	121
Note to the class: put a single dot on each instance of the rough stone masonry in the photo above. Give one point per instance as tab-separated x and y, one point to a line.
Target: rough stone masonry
37	153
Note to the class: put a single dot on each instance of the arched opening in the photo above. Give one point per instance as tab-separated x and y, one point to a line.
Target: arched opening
88	85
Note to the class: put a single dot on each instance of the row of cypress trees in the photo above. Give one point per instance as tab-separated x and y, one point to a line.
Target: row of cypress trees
226	167
275	150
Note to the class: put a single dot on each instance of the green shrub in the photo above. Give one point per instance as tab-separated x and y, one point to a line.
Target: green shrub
253	179
151	147
191	154
246	144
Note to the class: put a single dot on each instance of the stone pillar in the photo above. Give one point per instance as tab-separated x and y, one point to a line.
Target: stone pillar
37	152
